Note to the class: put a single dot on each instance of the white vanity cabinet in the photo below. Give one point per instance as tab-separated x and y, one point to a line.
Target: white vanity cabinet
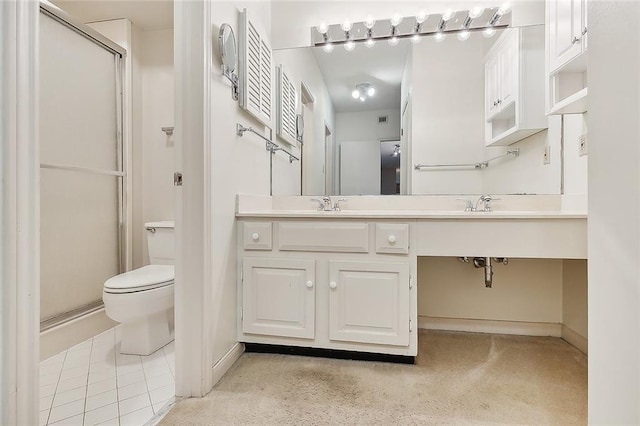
278	297
514	86
566	62
368	302
332	284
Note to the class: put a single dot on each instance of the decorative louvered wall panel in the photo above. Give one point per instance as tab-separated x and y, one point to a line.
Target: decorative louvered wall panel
255	71
287	103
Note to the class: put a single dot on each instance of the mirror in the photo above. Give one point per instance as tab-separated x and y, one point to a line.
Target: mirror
299	127
229	57
428	98
227	45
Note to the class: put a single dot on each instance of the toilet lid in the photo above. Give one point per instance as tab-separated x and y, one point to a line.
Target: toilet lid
145	278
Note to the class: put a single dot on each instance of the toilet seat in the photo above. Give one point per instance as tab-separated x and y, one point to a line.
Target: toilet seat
146	278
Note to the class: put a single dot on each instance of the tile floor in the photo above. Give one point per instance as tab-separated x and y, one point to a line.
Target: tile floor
92	383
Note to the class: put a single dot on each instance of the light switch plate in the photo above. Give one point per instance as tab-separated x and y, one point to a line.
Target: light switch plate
547	154
583	144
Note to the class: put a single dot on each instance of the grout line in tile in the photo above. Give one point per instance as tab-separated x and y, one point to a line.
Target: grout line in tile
57	384
84	409
115	361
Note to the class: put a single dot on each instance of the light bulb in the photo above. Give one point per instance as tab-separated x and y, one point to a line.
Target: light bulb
349	46
322	28
371	91
396	19
362	98
370	43
369	22
355	94
393	41
421	17
475	12
504	9
440	36
463	35
328	47
489	32
448	14
346	25
415	39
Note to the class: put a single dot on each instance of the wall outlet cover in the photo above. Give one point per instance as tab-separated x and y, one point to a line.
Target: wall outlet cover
547	155
582	144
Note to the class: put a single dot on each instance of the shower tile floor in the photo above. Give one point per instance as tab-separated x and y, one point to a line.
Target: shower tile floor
92	383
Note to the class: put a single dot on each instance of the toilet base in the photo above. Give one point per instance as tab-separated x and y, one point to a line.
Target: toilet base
147	335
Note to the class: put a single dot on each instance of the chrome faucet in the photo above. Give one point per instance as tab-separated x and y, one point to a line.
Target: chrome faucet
486	199
336	206
324	203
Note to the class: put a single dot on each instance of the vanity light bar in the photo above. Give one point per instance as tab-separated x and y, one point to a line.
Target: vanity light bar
384	29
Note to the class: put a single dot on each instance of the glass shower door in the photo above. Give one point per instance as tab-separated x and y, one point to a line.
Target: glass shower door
81	169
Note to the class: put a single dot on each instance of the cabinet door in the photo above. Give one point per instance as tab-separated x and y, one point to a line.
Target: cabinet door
491	71
278	297
369	302
565	31
509	69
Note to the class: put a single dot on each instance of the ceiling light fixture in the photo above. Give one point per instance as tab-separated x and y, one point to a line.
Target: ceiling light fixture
369	31
363	91
369	22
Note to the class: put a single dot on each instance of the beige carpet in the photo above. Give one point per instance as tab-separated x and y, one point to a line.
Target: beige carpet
458	378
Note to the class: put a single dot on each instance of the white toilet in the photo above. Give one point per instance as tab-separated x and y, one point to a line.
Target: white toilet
142	299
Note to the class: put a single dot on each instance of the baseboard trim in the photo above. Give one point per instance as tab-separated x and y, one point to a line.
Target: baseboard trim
490	326
65	335
575	339
224	364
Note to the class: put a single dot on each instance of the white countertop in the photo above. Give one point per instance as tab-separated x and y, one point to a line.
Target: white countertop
406	214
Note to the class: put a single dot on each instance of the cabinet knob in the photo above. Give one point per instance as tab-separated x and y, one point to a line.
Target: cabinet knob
255	236
575	40
333	284
392	239
584	31
309	284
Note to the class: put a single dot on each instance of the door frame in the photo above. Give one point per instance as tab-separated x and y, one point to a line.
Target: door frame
19	213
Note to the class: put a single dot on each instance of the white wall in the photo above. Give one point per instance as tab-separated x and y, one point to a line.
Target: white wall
575	166
527	173
448	108
238	165
301	66
292	20
363	129
574	296
614	213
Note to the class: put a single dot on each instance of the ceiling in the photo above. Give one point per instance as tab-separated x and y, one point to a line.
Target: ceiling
145	14
382	66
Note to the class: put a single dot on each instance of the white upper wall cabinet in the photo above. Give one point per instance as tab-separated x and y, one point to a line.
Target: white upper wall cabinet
287	107
514	83
566	63
255	71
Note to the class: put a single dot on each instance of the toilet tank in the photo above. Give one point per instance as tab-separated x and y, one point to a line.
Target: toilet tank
160	242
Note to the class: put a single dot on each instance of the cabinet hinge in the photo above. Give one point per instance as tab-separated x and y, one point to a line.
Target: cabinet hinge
410	326
410	282
241	277
241	314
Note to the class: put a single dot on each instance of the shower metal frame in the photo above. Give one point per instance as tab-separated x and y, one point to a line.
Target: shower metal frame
122	153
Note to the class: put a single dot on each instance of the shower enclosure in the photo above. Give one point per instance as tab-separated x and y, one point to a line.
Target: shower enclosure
82	205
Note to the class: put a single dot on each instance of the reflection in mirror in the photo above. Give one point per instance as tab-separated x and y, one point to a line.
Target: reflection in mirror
227	45
433	100
229	57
